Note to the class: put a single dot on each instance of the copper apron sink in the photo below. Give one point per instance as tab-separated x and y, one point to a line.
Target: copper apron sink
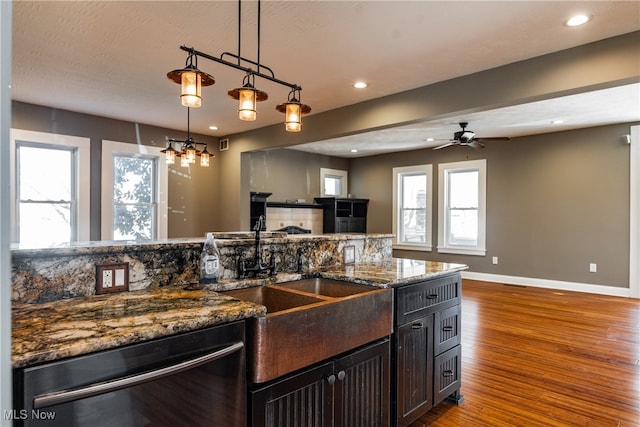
311	320
327	287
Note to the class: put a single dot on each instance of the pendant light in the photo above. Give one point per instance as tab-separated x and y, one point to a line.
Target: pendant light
293	110
189	149
191	81
248	96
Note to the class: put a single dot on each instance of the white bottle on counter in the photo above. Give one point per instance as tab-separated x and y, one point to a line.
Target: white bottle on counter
209	261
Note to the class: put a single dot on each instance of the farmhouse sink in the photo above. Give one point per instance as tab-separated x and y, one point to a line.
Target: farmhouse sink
327	287
273	298
311	320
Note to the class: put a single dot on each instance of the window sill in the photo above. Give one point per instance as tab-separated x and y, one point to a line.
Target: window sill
409	247
462	251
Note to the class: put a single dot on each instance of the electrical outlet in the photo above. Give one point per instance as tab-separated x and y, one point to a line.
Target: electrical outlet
112	278
494	260
107	278
593	267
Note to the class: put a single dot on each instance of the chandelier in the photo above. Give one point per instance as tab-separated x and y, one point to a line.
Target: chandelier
187	150
191	80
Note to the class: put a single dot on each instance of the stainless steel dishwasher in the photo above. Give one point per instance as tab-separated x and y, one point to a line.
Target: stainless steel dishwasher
192	379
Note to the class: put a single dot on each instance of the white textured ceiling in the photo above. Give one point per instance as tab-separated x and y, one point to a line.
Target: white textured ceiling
111	58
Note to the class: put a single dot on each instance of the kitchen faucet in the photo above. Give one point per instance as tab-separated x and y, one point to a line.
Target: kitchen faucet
257	267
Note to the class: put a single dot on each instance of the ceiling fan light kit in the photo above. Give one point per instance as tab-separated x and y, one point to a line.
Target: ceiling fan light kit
469	138
191	80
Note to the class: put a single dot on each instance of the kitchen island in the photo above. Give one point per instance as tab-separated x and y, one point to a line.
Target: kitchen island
72	327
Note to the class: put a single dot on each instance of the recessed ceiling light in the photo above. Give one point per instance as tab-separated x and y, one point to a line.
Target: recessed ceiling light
354	150
213	127
430	139
557	122
360	85
576	20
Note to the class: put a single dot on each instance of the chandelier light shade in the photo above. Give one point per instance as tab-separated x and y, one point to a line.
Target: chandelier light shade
169	154
205	156
191	81
293	110
248	97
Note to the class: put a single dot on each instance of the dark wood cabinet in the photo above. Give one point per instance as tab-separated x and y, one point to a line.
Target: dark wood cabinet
426	365
258	206
343	215
351	390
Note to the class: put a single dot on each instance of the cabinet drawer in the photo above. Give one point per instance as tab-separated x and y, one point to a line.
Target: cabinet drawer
447	372
446	328
423	298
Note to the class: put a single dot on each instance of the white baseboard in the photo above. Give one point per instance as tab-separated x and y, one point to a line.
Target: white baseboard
549	284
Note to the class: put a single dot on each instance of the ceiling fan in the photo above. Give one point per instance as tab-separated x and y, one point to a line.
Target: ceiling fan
469	138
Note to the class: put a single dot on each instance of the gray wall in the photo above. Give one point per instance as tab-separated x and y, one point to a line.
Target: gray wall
193	192
555	203
290	174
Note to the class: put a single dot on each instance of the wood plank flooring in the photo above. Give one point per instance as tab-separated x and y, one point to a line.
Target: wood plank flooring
541	357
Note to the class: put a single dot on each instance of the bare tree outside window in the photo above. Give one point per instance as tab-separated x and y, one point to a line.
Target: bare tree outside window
134	200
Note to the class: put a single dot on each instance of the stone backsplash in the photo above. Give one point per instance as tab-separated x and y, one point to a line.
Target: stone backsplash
49	274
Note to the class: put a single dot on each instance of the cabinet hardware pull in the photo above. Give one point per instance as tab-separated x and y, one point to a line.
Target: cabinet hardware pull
447	373
65	396
432	296
341	375
447	328
416	326
331	379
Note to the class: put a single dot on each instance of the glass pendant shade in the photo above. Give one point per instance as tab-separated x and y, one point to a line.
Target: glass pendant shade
247	104
191	83
190	153
293	110
204	158
293	118
169	155
184	161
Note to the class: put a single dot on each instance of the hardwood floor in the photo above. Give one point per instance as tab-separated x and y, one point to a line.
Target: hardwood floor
541	357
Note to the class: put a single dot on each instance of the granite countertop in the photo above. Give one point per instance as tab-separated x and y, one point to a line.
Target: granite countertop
55	330
65	328
392	272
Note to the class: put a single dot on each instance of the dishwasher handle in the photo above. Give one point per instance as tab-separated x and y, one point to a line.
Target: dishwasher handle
66	396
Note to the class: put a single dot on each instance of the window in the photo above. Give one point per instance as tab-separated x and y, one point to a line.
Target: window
134	192
50	204
462	199
333	183
412	207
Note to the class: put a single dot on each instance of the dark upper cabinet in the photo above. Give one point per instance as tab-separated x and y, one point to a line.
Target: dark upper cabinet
343	215
258	207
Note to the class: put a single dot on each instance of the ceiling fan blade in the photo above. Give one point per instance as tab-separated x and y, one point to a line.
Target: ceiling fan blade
497	138
475	144
448	144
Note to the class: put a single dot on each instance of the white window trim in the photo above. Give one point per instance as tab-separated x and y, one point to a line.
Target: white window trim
83	159
109	148
397	195
443	247
344	175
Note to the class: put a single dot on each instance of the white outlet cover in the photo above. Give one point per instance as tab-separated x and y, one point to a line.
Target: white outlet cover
119	277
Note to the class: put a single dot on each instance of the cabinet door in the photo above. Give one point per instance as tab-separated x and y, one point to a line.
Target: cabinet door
302	400
362	388
343	225
414	367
